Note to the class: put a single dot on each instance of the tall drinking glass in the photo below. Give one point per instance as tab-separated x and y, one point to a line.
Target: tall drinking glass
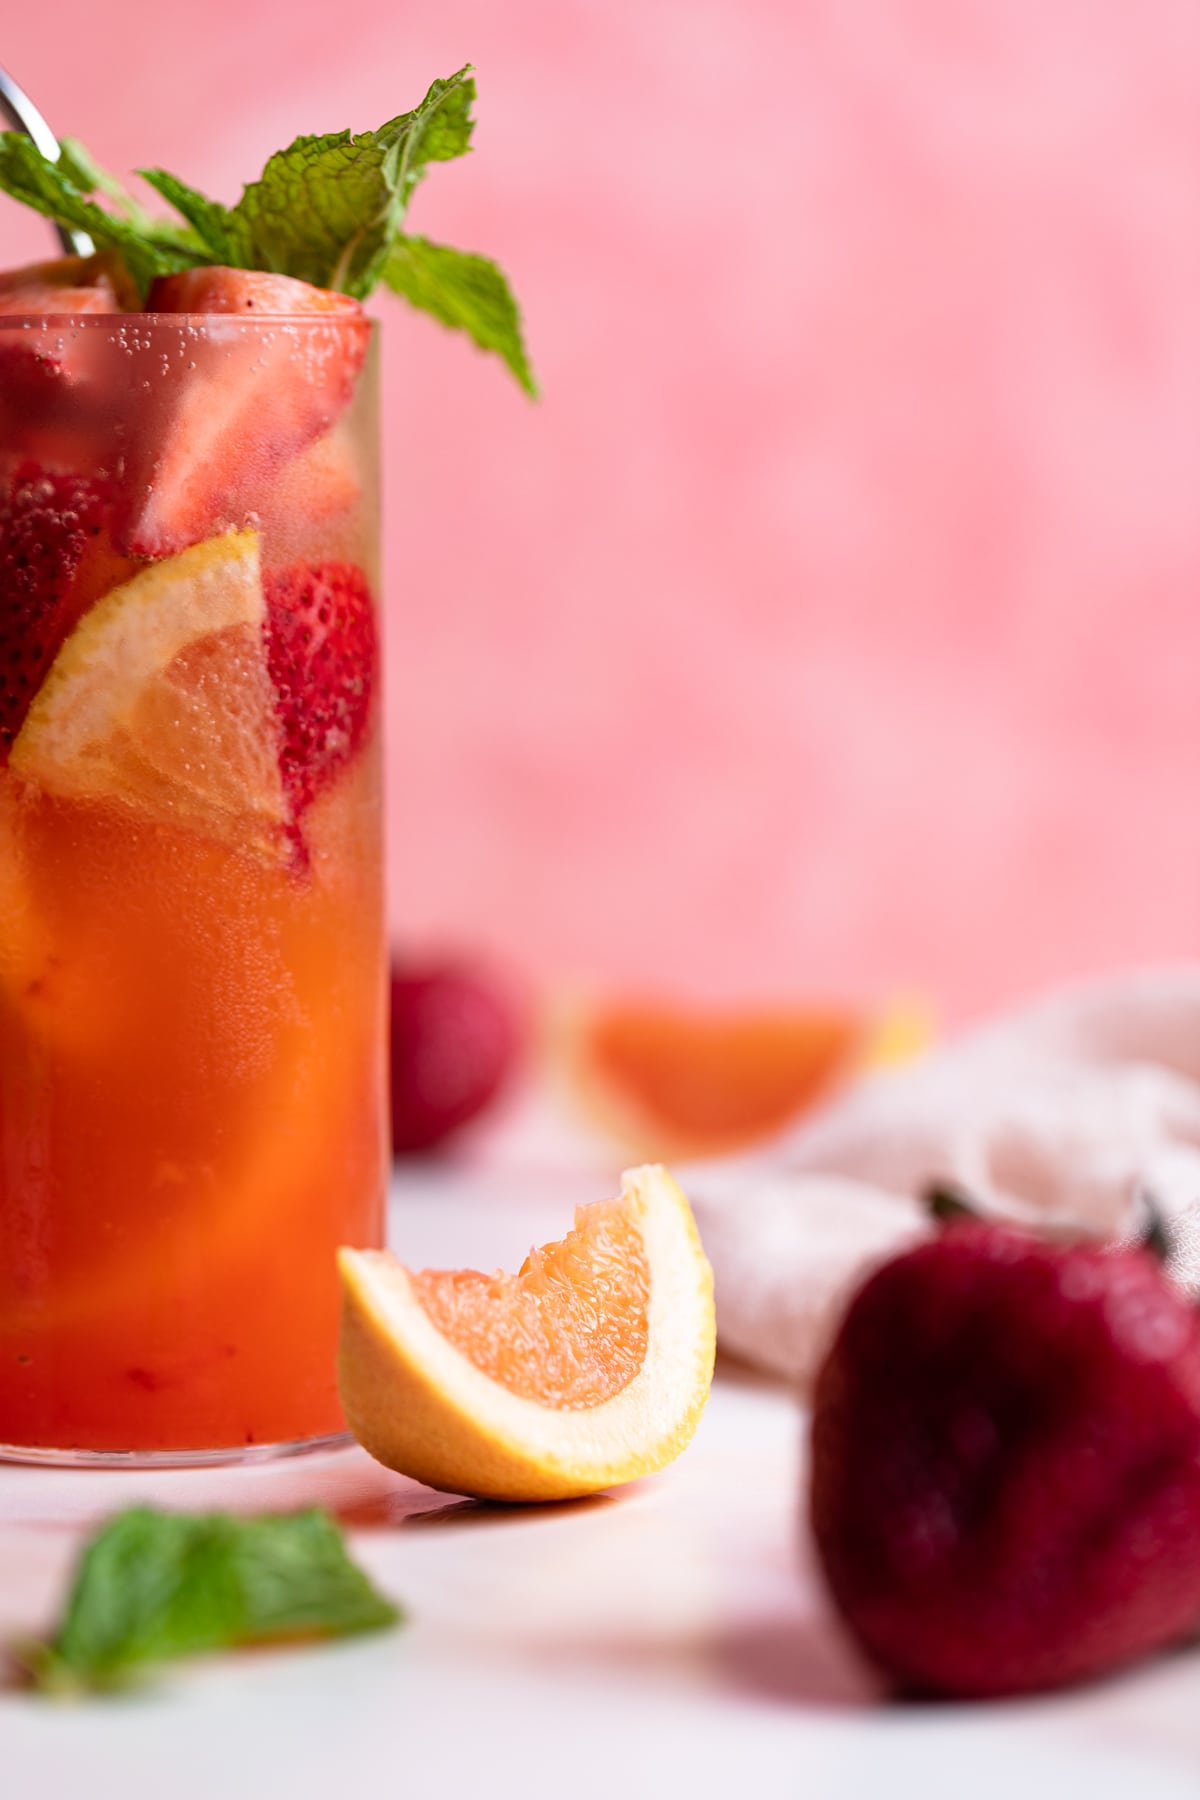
192	942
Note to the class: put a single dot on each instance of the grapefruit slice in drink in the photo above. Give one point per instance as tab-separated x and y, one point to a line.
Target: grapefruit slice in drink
160	701
589	1368
157	709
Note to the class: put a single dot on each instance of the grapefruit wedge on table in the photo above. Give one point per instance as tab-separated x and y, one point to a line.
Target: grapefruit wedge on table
588	1368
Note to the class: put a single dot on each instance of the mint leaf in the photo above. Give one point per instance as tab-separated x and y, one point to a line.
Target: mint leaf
327	209
208	218
296	1579
59	190
81	168
440	128
466	292
152	1586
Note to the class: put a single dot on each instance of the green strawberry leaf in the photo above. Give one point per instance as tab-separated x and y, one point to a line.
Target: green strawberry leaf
466	292
152	1586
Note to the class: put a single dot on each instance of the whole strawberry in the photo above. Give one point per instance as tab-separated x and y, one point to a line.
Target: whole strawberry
455	1039
1006	1463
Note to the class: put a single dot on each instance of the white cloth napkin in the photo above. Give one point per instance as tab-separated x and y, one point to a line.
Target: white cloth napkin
1064	1113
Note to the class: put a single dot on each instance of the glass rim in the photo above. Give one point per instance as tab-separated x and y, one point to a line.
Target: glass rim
175	320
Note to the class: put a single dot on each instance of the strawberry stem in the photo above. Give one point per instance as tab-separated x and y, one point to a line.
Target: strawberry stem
948	1203
1156	1239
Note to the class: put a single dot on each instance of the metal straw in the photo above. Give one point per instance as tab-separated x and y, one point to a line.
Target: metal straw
24	116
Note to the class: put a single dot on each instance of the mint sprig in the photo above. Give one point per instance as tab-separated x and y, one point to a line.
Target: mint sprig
466	292
52	188
328	210
152	1586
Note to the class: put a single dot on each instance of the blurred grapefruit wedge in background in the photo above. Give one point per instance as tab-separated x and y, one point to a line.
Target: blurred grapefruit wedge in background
673	1081
588	1368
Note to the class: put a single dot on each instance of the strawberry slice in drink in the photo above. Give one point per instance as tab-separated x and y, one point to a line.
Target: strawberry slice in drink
69	284
236	406
55	558
311	511
41	375
322	655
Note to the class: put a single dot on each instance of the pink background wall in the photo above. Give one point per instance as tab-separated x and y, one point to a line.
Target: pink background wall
834	622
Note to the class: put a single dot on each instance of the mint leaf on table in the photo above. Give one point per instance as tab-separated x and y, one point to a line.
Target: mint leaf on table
297	1580
327	210
468	293
152	1586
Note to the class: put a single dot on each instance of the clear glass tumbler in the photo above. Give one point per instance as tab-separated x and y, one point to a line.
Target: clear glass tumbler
192	938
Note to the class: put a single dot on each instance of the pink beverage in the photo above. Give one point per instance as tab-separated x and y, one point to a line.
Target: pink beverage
192	941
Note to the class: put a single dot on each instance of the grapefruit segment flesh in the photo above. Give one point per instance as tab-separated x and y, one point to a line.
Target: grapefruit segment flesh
589	1368
160	700
570	1329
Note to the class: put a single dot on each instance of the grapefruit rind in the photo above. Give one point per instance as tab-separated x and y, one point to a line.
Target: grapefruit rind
160	700
421	1407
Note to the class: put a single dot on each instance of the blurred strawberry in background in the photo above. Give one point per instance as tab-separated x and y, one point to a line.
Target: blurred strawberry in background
457	1038
658	1077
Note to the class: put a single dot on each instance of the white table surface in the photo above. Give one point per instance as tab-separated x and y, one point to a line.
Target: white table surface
667	1638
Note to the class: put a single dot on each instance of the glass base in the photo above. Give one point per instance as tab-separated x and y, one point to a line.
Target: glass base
171	1459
